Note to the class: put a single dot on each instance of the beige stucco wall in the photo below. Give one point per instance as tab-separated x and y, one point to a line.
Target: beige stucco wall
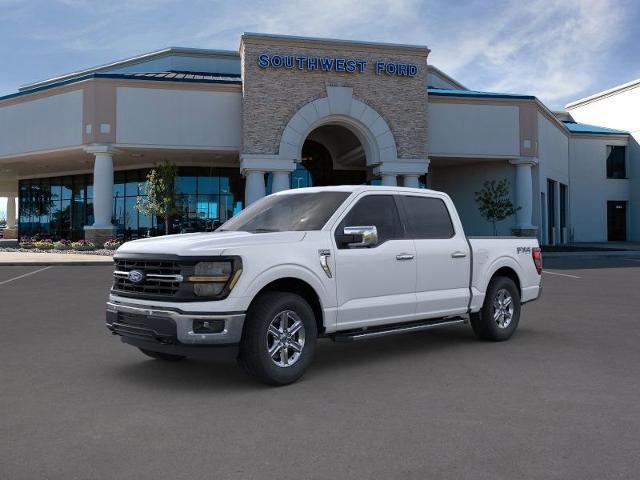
272	96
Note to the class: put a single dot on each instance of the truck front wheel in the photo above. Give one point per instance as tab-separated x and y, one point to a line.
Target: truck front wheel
500	313
279	338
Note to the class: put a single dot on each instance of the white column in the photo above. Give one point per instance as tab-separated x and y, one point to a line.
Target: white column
524	191
11	211
254	187
389	179
411	181
280	181
103	189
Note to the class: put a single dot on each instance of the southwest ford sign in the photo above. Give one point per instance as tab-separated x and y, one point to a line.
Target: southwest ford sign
331	64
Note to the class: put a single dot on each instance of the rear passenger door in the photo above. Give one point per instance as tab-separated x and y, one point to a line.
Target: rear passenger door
442	254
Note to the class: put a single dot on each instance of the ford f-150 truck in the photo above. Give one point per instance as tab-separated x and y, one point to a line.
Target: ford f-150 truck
344	262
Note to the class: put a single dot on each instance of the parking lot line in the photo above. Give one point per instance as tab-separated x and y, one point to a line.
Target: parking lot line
561	274
25	275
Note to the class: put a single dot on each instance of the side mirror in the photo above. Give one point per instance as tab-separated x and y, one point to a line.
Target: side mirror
359	237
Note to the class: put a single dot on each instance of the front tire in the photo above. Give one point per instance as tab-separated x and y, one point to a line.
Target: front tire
279	338
500	313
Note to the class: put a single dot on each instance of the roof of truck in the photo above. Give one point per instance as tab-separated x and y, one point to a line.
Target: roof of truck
355	188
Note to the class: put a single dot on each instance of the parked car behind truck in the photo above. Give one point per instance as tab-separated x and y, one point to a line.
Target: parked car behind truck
345	262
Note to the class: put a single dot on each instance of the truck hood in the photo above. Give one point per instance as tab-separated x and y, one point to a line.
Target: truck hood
206	243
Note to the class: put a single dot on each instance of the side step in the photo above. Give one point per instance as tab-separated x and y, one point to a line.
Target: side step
385	330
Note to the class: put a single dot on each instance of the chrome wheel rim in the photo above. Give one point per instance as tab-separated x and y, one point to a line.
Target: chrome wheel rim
285	338
503	308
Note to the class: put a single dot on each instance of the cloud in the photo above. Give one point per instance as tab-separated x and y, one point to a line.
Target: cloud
556	49
551	49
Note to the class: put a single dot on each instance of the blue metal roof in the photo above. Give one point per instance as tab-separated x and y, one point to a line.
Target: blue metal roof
575	127
173	76
444	92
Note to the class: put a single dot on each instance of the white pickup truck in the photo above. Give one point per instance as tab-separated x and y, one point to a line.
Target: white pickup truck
345	262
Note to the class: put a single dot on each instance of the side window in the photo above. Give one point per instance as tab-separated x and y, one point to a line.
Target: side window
377	210
616	161
427	218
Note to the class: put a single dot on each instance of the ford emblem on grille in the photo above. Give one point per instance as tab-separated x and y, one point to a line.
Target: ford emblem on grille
136	276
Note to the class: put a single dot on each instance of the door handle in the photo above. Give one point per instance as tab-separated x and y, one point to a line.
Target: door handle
458	254
404	256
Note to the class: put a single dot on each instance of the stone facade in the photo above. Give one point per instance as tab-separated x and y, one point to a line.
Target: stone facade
98	235
272	96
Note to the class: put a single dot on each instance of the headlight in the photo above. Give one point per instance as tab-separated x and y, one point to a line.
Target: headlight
210	279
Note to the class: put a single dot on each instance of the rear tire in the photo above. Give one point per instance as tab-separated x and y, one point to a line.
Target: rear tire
279	338
500	313
167	357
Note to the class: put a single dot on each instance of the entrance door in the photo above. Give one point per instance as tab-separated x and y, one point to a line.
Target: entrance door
617	221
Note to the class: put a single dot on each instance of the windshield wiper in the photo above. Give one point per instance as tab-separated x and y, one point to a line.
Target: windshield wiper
263	230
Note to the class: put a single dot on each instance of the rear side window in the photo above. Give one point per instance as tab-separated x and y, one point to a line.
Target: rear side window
427	218
379	211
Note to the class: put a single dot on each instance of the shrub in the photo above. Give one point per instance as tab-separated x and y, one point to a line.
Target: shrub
62	245
43	244
112	244
83	245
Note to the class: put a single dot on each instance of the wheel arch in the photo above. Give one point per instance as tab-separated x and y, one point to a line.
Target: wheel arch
300	287
508	272
505	267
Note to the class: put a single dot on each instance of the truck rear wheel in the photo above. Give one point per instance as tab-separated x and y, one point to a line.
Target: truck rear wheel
500	313
279	338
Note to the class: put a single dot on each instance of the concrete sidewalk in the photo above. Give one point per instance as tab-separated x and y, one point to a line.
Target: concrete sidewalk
37	259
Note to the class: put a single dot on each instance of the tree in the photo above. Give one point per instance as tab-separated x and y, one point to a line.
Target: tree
494	203
160	199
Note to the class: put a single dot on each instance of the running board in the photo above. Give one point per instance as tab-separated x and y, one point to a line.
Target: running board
386	330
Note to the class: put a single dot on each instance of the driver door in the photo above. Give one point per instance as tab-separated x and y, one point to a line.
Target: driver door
376	284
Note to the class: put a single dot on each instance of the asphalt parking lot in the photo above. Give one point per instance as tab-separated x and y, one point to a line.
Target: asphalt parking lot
560	400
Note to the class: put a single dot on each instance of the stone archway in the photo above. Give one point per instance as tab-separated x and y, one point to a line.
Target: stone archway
340	108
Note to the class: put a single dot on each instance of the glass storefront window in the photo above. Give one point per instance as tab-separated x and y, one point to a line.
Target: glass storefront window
60	207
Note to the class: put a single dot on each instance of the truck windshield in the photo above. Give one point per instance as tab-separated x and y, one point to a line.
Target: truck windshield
280	213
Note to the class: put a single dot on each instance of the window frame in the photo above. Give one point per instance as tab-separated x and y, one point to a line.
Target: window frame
351	205
405	216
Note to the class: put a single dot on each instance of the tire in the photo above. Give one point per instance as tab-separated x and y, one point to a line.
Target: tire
491	324
167	357
269	318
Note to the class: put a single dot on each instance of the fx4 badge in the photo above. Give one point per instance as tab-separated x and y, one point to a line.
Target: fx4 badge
522	250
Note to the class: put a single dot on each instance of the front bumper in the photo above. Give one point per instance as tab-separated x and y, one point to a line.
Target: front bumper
167	326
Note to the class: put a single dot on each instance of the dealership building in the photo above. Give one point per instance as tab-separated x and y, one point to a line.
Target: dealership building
288	112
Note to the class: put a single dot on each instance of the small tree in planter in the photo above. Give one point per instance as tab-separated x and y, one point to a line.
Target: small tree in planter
494	203
160	200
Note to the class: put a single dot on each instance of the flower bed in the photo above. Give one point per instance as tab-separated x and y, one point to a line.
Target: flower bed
83	245
43	244
62	245
112	244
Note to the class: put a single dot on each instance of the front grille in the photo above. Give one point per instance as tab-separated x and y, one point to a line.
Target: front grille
162	277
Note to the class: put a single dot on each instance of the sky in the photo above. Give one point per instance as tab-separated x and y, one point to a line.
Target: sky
558	50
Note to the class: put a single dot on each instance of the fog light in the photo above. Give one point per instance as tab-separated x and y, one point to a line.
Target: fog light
208	326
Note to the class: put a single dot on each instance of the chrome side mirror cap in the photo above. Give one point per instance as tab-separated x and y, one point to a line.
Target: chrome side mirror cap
361	236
